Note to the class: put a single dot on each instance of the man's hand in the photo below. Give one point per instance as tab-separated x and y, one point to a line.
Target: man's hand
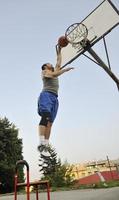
59	58
58	49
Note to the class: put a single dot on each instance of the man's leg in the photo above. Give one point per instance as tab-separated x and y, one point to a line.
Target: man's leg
48	131
45	125
43	147
44	133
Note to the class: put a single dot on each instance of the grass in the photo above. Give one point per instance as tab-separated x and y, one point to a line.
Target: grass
108	184
89	186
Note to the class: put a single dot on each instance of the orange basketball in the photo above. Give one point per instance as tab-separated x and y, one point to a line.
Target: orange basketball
62	41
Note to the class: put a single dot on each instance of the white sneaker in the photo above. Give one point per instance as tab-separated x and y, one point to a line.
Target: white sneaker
44	150
45	153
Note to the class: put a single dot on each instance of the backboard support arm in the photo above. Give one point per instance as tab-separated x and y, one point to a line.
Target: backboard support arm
105	45
103	65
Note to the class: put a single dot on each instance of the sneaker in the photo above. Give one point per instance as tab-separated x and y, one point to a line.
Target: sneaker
44	150
41	147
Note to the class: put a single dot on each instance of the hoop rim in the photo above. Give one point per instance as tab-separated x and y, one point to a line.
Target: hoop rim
78	24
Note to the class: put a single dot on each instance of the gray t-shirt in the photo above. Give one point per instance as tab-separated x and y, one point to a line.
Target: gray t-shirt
51	84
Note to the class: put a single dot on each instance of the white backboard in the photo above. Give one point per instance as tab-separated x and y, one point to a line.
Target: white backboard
99	23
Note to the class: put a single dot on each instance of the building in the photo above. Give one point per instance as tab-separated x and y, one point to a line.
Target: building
93	167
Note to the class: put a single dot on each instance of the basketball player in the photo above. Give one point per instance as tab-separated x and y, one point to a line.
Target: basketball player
48	100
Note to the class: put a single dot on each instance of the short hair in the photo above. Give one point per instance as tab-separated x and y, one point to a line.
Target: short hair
43	66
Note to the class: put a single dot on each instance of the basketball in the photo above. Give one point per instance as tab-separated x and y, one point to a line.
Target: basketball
62	41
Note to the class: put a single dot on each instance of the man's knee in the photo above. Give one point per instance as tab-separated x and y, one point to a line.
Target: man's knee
45	118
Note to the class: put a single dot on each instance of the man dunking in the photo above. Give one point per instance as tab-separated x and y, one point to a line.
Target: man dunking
48	101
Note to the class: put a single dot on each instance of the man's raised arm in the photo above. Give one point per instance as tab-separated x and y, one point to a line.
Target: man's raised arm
59	58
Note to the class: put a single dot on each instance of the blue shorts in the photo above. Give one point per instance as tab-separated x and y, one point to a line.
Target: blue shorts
48	102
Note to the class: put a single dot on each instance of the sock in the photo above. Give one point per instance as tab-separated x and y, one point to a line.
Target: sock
42	139
46	142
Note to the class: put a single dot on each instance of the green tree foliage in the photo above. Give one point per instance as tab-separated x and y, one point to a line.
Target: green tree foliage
58	174
10	153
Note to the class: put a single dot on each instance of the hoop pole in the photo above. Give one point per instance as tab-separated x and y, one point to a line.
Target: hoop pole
90	59
104	66
106	53
22	162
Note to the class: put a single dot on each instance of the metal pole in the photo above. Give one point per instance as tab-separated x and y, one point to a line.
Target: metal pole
15	186
48	191
22	162
36	192
103	65
110	167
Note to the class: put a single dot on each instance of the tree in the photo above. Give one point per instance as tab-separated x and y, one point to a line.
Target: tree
10	153
58	174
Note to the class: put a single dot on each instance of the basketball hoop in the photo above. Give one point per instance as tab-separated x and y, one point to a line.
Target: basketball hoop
76	34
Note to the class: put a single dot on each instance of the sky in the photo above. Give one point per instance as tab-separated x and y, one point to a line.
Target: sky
87	125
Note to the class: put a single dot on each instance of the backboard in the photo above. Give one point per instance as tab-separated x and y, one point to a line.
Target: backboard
98	23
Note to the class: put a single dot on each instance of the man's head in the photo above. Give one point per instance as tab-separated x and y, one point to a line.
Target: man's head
47	66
